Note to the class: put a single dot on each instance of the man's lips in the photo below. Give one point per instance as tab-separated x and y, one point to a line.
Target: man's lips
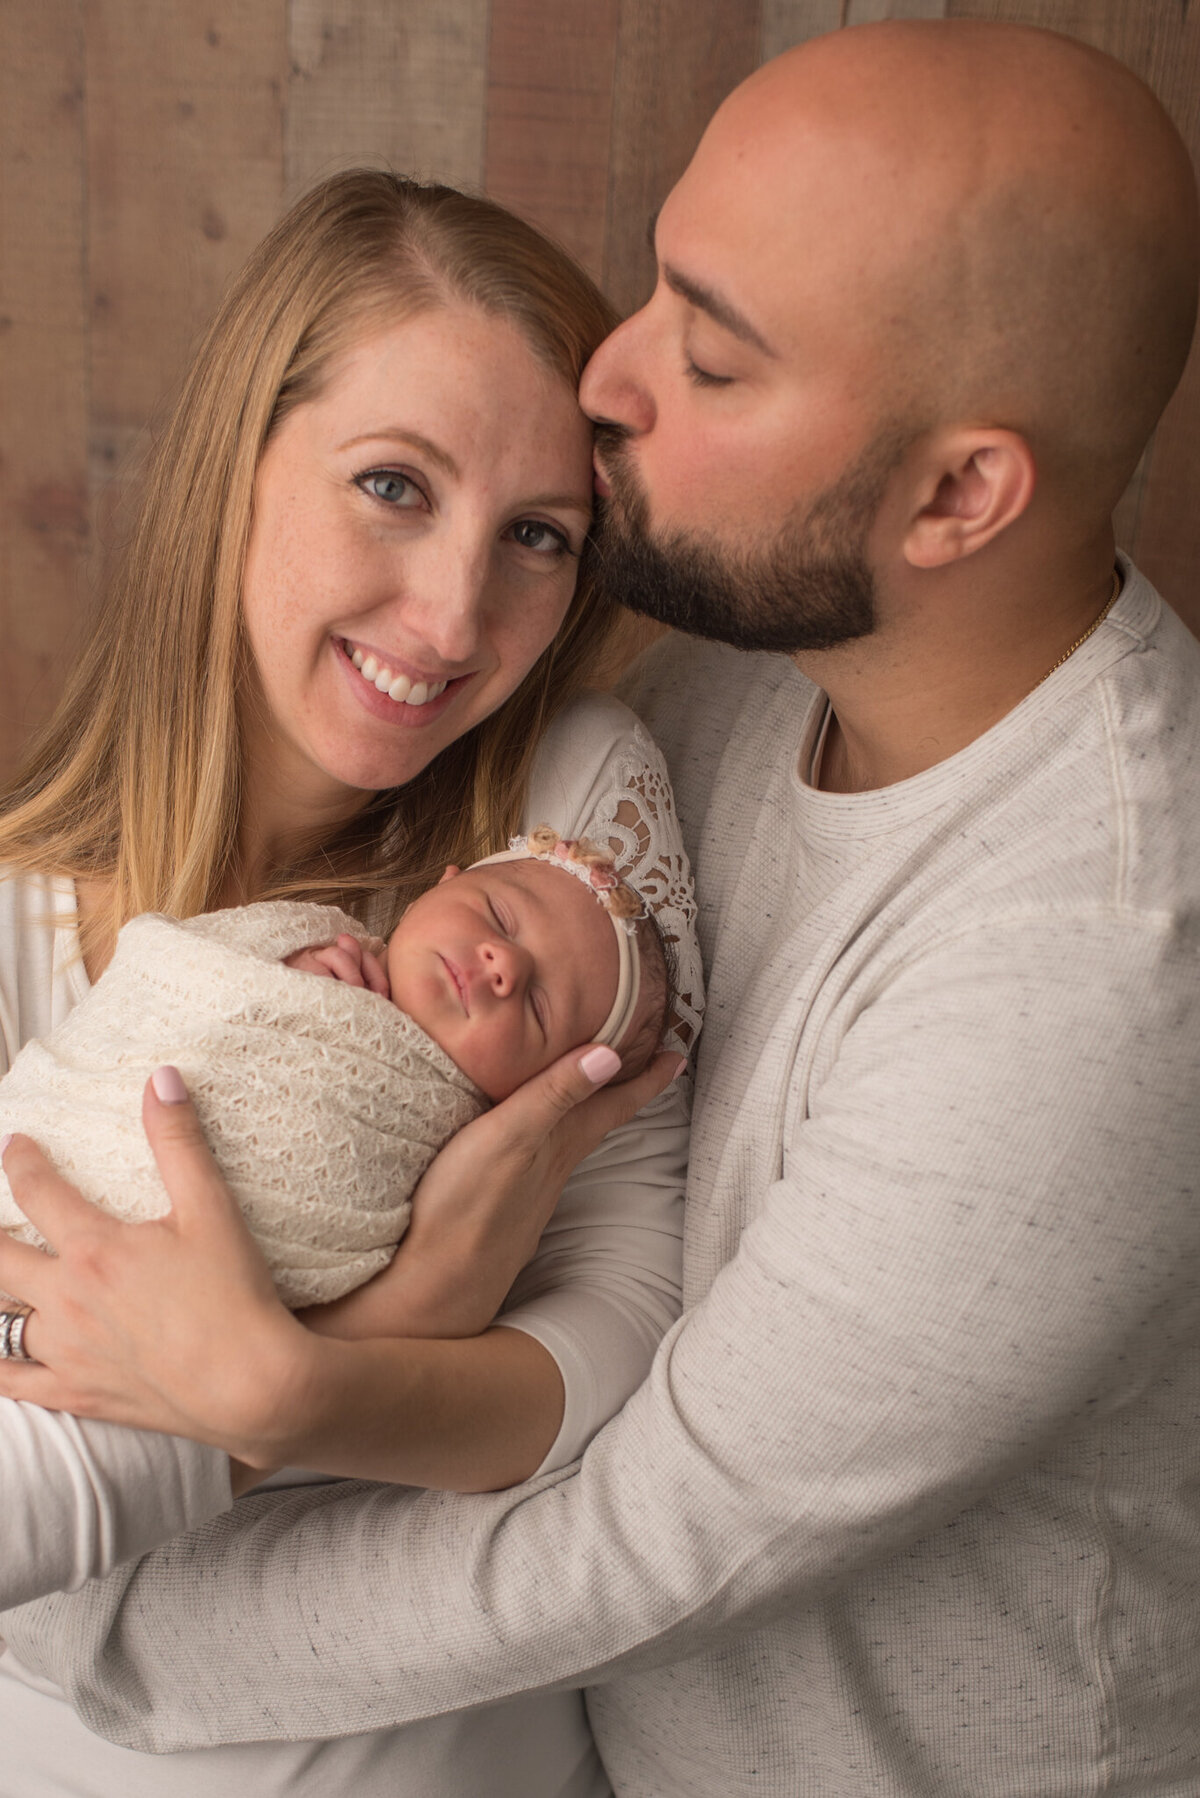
601	486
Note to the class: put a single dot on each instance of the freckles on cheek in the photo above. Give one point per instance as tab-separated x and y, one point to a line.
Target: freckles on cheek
530	633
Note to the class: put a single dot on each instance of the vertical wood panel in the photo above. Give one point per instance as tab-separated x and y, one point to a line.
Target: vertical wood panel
789	22
43	393
184	111
550	100
1158	520
398	83
870	12
676	61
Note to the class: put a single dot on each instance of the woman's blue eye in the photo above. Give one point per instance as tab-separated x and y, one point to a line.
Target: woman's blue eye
392	488
542	538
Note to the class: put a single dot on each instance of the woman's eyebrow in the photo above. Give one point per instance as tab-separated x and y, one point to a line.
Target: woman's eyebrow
567	502
399	434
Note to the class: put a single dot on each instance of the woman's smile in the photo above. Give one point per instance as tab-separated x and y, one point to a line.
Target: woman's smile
388	693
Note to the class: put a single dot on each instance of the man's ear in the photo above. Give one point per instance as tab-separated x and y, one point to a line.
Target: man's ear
973	486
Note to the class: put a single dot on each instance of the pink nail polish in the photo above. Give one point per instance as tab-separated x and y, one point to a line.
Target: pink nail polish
600	1064
168	1085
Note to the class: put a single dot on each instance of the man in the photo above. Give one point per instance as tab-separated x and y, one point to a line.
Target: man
908	1503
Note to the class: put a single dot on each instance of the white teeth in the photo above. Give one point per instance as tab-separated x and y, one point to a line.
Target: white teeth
398	687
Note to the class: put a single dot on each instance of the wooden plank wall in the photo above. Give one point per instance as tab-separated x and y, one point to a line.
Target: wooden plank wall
145	145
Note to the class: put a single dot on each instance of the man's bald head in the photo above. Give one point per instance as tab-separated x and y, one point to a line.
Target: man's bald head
923	292
1017	222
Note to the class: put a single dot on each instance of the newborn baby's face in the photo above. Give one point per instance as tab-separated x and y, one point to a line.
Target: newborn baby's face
506	967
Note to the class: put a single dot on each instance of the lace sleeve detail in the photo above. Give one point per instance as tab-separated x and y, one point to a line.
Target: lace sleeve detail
636	817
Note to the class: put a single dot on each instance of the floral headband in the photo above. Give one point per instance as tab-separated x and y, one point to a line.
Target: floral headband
595	867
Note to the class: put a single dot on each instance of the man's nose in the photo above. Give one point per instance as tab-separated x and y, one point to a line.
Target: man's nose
505	966
615	388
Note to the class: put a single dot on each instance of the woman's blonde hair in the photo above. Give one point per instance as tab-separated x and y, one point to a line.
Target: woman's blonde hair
137	778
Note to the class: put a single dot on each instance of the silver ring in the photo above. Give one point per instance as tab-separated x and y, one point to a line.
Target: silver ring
12	1335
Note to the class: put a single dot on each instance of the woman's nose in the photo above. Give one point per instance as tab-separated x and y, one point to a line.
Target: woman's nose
444	602
615	389
505	966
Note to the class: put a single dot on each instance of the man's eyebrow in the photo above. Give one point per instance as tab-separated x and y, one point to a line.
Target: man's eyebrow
725	315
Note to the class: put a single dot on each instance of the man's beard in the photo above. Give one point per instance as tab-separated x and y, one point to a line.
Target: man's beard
809	587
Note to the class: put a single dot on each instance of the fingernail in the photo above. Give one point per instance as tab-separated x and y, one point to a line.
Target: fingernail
168	1085
5	1140
600	1064
679	1067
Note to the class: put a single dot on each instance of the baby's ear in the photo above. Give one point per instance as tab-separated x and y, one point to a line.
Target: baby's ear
451	871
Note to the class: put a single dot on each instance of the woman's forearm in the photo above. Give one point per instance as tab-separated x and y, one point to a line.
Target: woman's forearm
472	1415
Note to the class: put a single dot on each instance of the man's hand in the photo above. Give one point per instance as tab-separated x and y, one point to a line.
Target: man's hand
346	960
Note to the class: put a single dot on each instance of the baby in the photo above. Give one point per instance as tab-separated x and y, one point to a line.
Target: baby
324	1101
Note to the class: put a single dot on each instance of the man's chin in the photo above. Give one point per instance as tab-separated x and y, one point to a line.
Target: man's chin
775	602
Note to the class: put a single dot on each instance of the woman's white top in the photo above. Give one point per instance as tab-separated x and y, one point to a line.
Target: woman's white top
78	1497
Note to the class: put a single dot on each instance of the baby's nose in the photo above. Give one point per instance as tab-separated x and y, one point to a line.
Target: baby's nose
503	966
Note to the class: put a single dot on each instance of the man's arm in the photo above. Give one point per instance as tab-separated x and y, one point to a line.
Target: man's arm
81	1497
984	1236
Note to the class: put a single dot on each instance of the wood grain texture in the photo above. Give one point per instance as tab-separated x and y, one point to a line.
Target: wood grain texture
185	132
551	74
394	83
789	22
43	388
1158	521
676	61
869	12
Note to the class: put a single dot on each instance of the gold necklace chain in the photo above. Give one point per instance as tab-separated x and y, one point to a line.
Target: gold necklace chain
1092	627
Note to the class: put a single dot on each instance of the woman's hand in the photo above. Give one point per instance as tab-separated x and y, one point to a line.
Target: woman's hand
169	1325
484	1201
174	1324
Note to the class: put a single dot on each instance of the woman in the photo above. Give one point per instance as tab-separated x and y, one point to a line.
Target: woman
346	647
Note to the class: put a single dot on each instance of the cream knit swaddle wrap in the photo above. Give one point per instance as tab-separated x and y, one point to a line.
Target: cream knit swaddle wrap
323	1104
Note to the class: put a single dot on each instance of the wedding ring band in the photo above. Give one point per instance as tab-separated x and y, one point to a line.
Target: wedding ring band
12	1335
